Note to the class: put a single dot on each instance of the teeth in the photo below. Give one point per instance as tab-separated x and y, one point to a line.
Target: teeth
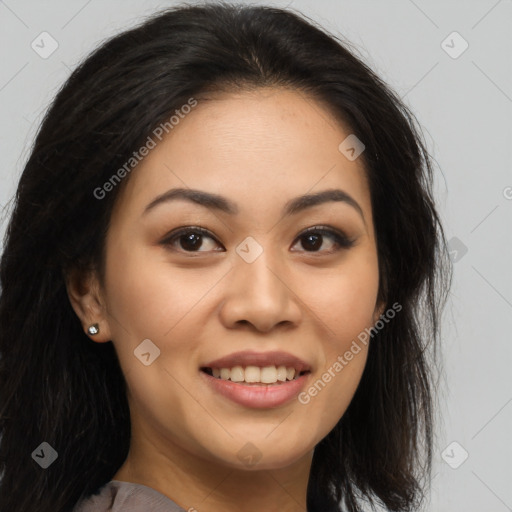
236	374
255	374
268	375
281	373
252	374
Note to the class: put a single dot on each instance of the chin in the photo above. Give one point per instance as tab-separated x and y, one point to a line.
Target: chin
263	454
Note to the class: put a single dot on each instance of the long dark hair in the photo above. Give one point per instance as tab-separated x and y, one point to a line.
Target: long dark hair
57	386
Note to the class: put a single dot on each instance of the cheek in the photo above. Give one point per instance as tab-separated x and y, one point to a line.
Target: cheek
326	398
151	300
344	304
149	297
344	299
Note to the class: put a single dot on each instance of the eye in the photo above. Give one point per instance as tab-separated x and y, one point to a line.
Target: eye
190	239
313	239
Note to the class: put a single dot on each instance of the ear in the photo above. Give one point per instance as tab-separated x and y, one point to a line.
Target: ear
86	297
379	310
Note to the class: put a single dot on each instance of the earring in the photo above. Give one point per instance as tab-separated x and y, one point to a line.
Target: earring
94	329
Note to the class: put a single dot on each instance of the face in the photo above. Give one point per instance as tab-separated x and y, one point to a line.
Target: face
249	271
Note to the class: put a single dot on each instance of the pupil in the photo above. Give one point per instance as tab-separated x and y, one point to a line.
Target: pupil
191	241
317	241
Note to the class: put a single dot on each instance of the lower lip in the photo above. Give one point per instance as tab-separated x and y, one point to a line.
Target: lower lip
258	397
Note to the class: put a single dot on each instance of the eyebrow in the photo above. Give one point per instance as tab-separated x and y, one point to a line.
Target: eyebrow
217	202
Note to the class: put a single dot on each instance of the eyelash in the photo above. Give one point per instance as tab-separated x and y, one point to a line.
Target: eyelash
340	239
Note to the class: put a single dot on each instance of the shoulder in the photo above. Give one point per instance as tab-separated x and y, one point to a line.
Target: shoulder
117	496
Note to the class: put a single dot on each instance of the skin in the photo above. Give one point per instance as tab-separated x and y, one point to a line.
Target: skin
259	149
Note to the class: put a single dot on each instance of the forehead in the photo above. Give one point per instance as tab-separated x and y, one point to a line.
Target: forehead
256	147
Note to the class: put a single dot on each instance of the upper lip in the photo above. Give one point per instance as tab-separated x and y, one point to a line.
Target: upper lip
261	359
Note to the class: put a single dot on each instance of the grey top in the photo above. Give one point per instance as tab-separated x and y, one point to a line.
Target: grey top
117	496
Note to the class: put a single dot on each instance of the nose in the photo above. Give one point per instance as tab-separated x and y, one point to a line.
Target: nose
260	294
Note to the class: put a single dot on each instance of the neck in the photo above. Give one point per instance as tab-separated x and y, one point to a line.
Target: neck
199	484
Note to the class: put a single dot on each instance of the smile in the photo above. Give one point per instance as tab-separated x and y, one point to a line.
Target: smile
255	374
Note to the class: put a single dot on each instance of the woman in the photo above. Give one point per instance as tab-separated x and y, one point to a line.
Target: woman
221	280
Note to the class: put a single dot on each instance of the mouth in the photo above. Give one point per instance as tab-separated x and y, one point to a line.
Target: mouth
257	380
251	367
244	387
251	375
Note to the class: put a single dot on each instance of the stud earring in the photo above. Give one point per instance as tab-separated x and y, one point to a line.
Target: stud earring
94	329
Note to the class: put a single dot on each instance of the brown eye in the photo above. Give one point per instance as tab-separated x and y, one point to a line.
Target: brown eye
312	240
197	240
191	242
190	239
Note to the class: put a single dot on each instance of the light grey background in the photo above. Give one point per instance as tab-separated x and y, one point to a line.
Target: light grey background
465	107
